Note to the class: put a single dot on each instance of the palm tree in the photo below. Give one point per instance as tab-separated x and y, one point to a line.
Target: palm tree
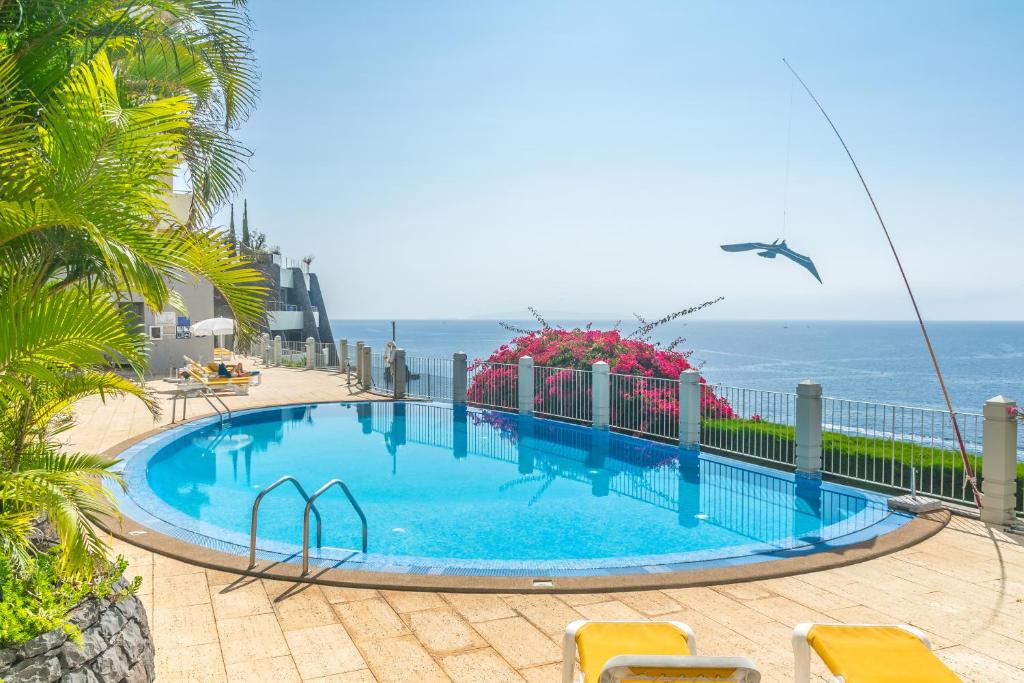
100	102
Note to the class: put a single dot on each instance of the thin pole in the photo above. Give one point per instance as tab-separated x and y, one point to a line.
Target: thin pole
968	469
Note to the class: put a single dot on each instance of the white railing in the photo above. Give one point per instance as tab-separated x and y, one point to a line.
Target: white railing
325	356
293	354
645	405
493	385
429	378
563	393
748	422
883	443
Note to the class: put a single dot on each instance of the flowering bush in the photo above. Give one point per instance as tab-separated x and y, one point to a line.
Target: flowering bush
640	401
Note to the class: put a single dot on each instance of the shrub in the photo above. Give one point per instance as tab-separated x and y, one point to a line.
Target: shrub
639	402
38	598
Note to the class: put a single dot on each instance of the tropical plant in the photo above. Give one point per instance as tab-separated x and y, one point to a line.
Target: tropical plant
100	102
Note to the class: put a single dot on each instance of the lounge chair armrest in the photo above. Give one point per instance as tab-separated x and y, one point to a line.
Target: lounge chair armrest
697	668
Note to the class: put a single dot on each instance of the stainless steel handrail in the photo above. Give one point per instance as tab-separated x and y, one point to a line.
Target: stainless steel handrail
207	394
256	509
305	518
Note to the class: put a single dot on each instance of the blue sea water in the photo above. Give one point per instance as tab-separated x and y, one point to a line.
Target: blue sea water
442	486
884	362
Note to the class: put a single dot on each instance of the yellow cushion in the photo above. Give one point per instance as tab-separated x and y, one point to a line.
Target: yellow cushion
877	654
597	642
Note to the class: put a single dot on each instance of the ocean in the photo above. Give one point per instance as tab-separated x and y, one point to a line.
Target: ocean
885	362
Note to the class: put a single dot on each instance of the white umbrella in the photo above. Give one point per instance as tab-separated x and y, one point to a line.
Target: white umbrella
213	326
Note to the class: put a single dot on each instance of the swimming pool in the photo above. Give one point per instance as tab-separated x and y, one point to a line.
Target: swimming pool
455	490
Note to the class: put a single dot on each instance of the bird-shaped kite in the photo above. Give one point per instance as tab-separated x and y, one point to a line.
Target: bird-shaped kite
775	249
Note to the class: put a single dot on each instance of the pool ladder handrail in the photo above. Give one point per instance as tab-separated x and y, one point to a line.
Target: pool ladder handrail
305	518
256	509
207	394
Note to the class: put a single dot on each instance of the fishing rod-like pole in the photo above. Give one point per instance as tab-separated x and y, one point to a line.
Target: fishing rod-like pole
968	469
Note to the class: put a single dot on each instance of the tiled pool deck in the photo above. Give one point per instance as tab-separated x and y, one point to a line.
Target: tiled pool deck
964	587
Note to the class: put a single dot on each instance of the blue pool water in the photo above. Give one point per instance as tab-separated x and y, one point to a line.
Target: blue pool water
464	490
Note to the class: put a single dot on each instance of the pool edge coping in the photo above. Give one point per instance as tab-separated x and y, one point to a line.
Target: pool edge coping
908	534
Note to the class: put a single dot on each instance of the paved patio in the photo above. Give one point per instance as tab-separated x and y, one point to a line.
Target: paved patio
964	587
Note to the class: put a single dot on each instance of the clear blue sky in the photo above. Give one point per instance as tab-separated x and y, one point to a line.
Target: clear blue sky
472	158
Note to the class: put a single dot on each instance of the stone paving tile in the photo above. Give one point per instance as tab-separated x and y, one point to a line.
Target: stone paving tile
519	642
175	627
443	630
370	620
254	637
181	590
411	601
303	608
361	676
548	673
241	599
612	610
550	616
649	603
165	566
400	660
270	670
479	606
324	651
193	663
479	665
336	594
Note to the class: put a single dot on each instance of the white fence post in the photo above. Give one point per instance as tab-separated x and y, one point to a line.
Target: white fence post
398	372
265	351
343	355
359	361
310	353
689	409
600	394
366	371
808	429
999	461
526	391
277	349
460	378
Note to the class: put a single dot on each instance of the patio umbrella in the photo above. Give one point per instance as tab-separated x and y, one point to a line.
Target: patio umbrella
213	326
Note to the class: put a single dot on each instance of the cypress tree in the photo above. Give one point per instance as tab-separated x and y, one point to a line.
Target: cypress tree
246	237
231	232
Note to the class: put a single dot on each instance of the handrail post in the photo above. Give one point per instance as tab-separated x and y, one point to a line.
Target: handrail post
398	373
309	505
459	378
525	385
255	516
808	429
999	461
689	409
600	395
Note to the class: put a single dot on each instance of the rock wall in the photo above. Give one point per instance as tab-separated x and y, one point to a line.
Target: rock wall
117	648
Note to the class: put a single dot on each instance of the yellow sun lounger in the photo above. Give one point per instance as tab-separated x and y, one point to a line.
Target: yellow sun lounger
614	651
240	385
863	653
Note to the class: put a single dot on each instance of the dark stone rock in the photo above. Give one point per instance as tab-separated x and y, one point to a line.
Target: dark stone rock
37	670
85	614
72	656
7	657
50	640
112	665
149	659
79	676
129	606
137	674
131	641
111	622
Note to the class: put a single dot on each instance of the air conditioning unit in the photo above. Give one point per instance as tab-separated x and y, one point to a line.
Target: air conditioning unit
156	332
